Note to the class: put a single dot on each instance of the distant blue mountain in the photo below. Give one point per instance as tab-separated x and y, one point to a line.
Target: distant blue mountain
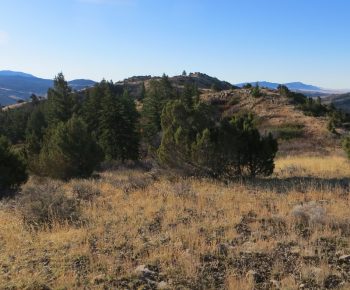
294	86
10	73
16	86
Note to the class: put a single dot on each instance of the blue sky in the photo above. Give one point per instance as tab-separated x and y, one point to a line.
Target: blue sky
234	40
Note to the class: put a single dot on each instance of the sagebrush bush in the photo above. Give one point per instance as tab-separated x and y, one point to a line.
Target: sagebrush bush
310	213
84	190
45	204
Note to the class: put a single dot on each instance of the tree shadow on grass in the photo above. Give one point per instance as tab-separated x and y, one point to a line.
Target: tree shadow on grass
299	184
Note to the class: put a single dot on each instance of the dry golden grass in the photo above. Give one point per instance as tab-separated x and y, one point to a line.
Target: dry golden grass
197	233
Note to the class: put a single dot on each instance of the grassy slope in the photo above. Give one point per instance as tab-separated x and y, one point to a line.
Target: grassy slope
176	223
273	111
198	233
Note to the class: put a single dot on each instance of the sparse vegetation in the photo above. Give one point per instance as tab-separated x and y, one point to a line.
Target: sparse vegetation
289	131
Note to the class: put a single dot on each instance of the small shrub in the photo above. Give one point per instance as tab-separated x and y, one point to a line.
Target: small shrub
183	189
256	92
46	204
310	213
84	190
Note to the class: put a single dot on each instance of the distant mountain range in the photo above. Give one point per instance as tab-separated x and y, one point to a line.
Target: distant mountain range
16	86
306	89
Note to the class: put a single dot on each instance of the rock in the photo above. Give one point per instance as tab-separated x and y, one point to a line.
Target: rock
142	269
345	259
332	281
162	285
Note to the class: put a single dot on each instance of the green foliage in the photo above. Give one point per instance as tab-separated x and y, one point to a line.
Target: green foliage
254	153
196	141
35	130
255	91
190	95
69	151
157	95
12	167
118	134
247	86
13	123
112	118
60	102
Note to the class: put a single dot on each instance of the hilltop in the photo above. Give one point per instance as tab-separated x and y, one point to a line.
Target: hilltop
201	80
301	134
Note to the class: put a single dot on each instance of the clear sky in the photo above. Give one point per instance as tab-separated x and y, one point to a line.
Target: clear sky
234	40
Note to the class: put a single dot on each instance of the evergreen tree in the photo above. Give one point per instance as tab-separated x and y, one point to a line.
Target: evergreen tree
118	135
189	95
158	94
197	141
69	151
254	153
143	91
12	168
60	102
35	130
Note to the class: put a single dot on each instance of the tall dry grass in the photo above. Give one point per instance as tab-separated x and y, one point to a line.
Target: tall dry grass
196	232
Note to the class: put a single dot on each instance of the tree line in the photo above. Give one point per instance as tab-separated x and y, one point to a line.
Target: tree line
71	133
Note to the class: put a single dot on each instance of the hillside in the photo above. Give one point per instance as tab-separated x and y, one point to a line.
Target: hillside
341	101
137	229
301	133
16	86
141	225
306	89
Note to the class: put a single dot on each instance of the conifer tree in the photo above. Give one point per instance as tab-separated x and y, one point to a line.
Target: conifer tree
12	168
69	151
118	135
60	102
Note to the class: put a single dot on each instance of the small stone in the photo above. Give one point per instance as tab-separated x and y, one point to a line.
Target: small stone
345	258
162	285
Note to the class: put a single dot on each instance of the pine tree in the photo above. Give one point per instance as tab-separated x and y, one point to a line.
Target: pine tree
157	95
35	130
69	151
118	135
60	102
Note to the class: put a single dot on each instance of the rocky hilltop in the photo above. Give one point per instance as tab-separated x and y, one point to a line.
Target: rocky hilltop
203	81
